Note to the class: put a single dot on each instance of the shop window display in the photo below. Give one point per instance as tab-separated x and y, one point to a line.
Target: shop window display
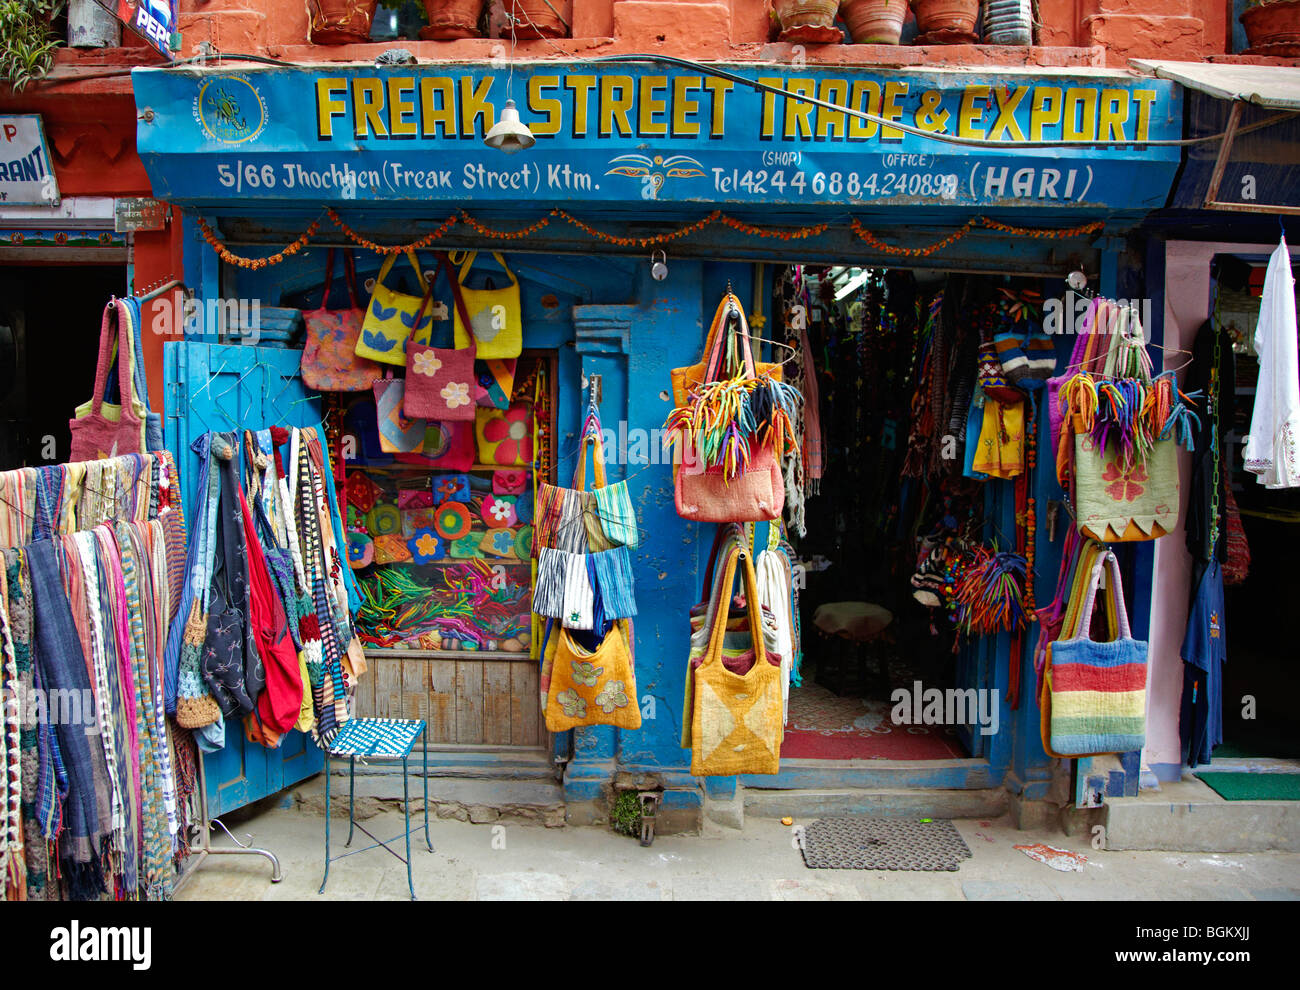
440	538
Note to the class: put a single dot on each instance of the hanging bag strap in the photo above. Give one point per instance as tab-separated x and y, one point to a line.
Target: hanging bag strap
110	334
732	314
590	435
468	263
349	277
725	532
717	615
738	556
458	300
387	266
1108	560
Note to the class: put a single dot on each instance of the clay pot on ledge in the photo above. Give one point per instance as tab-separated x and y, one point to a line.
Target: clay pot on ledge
339	22
874	22
538	18
1272	24
808	22
957	16
452	19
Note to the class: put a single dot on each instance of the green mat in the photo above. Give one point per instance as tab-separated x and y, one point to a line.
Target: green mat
1253	786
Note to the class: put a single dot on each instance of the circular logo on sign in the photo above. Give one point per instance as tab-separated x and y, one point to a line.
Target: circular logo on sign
230	109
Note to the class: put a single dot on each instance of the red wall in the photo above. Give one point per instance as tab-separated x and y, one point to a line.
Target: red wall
90	127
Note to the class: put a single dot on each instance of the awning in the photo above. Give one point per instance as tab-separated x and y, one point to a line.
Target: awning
1259	119
1273	86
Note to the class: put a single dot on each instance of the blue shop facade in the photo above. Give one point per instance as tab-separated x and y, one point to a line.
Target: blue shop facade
634	164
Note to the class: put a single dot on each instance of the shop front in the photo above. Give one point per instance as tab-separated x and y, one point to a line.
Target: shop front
653	191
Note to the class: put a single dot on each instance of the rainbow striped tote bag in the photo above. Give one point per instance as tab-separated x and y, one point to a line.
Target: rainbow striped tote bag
1095	693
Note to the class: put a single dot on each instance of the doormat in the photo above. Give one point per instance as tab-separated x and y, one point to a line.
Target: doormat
882	844
1253	786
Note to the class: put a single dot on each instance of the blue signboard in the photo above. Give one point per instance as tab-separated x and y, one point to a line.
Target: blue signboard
616	133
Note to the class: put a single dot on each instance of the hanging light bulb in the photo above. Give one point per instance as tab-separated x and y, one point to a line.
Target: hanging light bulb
509	134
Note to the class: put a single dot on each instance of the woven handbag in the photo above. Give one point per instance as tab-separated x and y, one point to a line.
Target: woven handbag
736	719
1094	694
757	494
393	317
440	381
100	433
593	687
687	378
709	493
737	641
329	359
493	317
1125	499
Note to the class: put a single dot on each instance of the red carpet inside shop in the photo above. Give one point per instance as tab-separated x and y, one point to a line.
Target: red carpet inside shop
823	726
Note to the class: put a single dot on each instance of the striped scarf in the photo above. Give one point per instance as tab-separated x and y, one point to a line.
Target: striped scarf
83	544
155	841
12	861
328	691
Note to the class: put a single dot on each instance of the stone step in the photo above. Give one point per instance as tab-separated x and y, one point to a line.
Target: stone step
530	802
884	803
1188	816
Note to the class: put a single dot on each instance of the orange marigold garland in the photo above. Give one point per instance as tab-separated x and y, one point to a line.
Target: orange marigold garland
231	258
740	226
370	245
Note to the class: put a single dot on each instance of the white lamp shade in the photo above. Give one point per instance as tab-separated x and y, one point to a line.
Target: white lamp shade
509	134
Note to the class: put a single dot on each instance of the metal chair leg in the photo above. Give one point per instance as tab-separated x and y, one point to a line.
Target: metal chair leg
424	733
406	810
352	794
325	879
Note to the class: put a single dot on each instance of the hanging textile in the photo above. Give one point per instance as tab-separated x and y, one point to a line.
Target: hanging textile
1271	452
91	807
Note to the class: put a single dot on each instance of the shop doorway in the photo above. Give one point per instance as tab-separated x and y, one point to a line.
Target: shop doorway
50	319
880	646
1259	676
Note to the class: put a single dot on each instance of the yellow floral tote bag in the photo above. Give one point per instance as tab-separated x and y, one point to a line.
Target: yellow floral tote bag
593	688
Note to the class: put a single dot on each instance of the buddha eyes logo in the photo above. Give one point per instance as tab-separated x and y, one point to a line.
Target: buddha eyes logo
230	109
655	171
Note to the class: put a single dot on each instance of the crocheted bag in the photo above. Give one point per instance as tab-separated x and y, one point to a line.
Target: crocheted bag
99	433
736	722
1094	694
329	359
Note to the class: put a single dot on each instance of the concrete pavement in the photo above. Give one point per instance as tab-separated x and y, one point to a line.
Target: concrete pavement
506	861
